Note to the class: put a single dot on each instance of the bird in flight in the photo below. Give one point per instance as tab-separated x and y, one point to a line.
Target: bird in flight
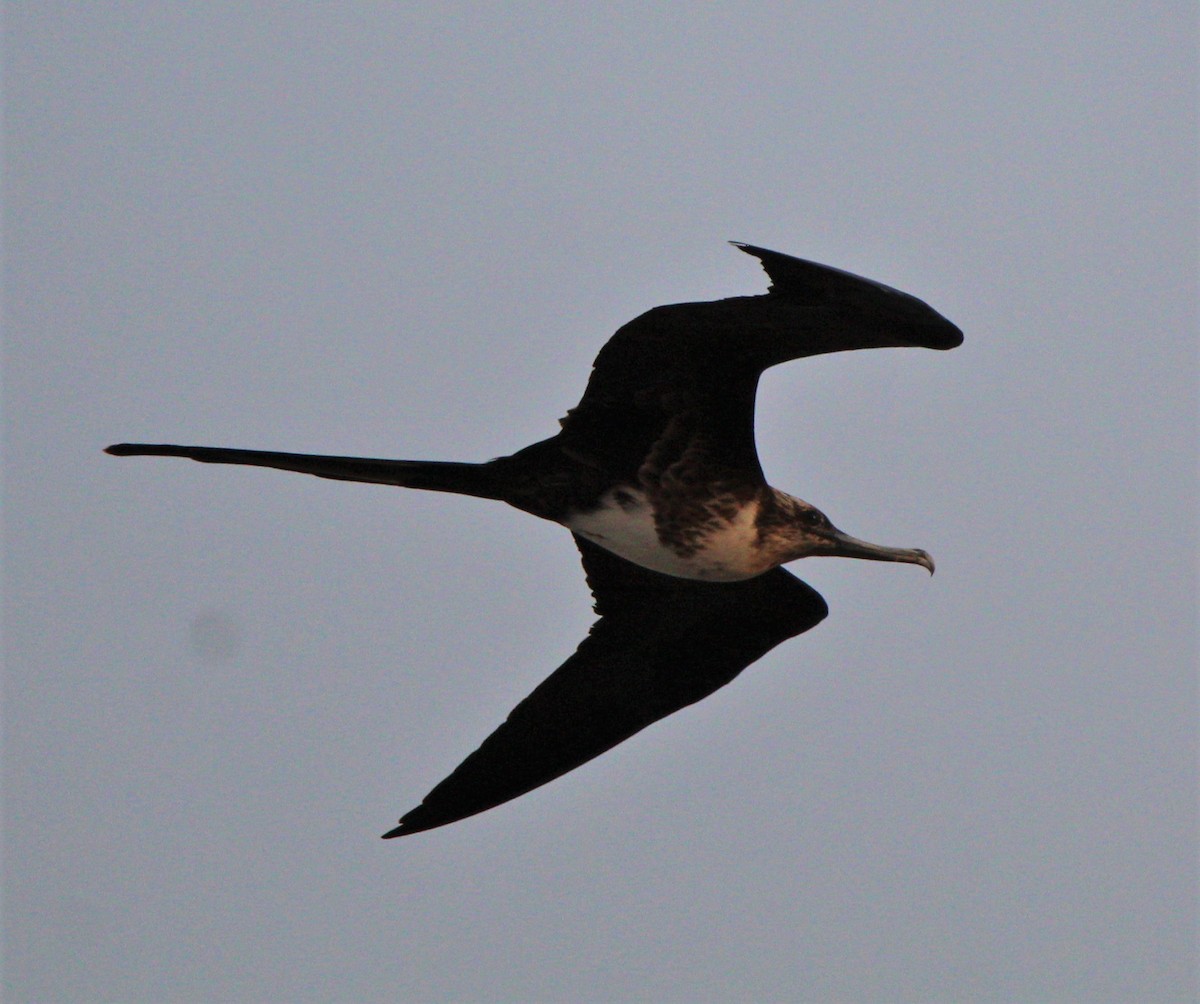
656	475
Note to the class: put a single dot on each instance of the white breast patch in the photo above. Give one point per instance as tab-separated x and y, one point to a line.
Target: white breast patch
624	524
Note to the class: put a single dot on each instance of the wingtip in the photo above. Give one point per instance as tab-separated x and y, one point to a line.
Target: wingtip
762	254
409	826
952	336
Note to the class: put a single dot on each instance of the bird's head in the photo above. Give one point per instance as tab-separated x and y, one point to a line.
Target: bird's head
803	531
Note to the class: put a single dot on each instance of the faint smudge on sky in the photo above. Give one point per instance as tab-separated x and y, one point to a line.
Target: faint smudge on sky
214	636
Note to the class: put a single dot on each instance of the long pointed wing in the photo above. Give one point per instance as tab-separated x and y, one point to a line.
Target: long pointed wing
661	643
697	364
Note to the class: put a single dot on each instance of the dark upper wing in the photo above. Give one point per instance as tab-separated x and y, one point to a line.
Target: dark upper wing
660	644
699	363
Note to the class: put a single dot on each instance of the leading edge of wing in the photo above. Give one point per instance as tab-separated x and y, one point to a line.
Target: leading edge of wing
661	643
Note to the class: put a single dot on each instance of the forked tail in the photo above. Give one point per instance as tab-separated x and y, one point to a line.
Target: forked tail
438	476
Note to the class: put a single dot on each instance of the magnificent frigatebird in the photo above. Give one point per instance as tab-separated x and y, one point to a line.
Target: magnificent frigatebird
656	474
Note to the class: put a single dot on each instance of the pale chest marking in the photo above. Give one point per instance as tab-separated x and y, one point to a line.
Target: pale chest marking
728	550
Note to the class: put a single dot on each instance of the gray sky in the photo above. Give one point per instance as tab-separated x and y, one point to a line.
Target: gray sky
405	230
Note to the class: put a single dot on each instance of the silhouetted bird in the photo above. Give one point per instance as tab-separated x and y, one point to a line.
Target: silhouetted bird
656	475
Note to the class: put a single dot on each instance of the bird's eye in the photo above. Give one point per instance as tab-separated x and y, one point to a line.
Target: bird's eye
813	518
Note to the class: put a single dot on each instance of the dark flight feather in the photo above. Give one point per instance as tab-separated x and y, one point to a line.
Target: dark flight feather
701	362
661	643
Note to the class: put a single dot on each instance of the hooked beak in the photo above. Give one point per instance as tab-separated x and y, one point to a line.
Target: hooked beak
842	545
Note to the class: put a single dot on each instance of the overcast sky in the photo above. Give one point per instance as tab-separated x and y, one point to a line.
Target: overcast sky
405	230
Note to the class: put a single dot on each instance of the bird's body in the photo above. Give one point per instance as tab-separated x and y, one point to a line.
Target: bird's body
716	540
656	474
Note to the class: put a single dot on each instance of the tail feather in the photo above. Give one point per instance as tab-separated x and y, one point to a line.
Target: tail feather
439	476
